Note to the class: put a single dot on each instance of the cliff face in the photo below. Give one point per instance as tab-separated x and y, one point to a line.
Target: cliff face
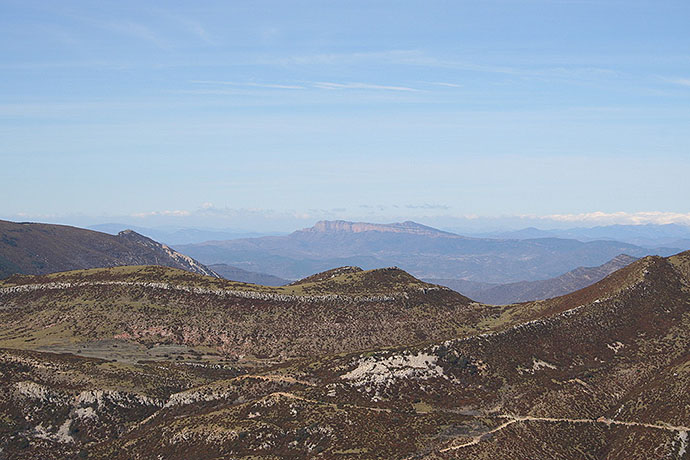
409	227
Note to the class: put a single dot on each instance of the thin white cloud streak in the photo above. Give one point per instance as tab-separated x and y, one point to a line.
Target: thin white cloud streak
405	58
365	86
418	58
249	84
610	218
339	58
275	86
679	81
312	85
137	31
208	209
166	213
447	85
427	206
65	65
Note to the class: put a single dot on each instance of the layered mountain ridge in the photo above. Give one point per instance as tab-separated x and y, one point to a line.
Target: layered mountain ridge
33	248
525	291
420	250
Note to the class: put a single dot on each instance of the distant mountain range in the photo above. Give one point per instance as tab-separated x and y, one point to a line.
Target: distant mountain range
648	235
179	235
424	251
524	291
36	249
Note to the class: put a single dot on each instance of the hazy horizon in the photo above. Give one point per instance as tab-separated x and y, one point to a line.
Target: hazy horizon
284	224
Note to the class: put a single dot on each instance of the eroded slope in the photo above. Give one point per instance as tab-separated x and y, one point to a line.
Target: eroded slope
601	373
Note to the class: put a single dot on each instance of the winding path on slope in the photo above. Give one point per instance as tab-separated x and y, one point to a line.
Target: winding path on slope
682	431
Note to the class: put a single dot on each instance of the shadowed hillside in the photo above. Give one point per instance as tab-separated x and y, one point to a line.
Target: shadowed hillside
45	248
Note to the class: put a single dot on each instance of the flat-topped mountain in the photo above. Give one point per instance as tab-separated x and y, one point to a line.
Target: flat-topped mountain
423	251
32	248
407	227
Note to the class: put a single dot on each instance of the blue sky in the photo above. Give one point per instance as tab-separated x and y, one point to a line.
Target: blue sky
267	115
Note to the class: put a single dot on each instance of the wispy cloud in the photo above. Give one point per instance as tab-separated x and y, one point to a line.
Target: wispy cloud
419	58
321	85
378	207
197	29
427	206
609	218
166	213
209	210
249	84
359	85
386	56
448	85
679	81
138	31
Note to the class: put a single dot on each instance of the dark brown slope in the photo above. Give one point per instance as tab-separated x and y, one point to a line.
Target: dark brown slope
604	375
32	248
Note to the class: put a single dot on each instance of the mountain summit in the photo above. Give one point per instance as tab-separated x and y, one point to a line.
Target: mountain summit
409	227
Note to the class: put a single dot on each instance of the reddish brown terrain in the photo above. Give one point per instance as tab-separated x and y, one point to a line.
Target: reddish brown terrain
348	364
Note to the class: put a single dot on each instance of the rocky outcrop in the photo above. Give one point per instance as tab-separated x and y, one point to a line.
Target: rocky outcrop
408	227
